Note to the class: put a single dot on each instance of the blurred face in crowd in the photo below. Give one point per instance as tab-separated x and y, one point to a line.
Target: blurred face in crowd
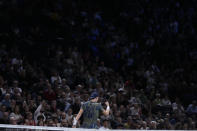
106	124
50	123
63	115
5	115
39	98
29	96
47	107
144	124
26	108
16	90
54	103
135	105
67	90
64	123
41	123
40	118
15	83
153	125
115	107
8	90
29	116
7	97
58	112
18	96
13	102
56	83
129	119
26	122
3	108
63	95
78	101
70	111
185	126
63	81
113	99
123	109
13	121
193	125
55	119
119	119
17	109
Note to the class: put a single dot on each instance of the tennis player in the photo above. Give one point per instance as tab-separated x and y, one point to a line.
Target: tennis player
90	111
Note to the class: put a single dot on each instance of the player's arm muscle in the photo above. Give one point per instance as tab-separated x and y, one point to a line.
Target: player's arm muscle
79	114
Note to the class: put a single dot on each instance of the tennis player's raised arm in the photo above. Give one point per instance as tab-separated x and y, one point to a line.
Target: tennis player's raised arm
106	112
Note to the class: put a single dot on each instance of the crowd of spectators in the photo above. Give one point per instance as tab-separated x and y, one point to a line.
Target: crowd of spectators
140	55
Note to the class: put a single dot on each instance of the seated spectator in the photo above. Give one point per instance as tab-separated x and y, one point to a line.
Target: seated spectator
129	123
135	110
153	125
41	123
55	119
5	118
192	108
39	113
64	123
144	126
26	122
15	87
177	106
2	110
50	123
69	116
49	94
6	101
158	101
166	102
63	116
53	106
56	77
12	121
16	114
30	119
105	124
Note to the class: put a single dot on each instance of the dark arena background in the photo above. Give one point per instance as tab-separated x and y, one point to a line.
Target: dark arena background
139	55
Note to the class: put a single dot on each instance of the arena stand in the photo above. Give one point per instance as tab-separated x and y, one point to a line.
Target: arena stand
140	55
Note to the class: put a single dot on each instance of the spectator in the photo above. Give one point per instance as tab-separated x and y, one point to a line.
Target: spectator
16	115
64	123
13	121
6	101
192	108
49	94
69	116
29	117
39	113
105	124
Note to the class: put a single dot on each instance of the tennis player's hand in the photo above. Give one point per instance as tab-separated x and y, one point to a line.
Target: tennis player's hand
107	103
